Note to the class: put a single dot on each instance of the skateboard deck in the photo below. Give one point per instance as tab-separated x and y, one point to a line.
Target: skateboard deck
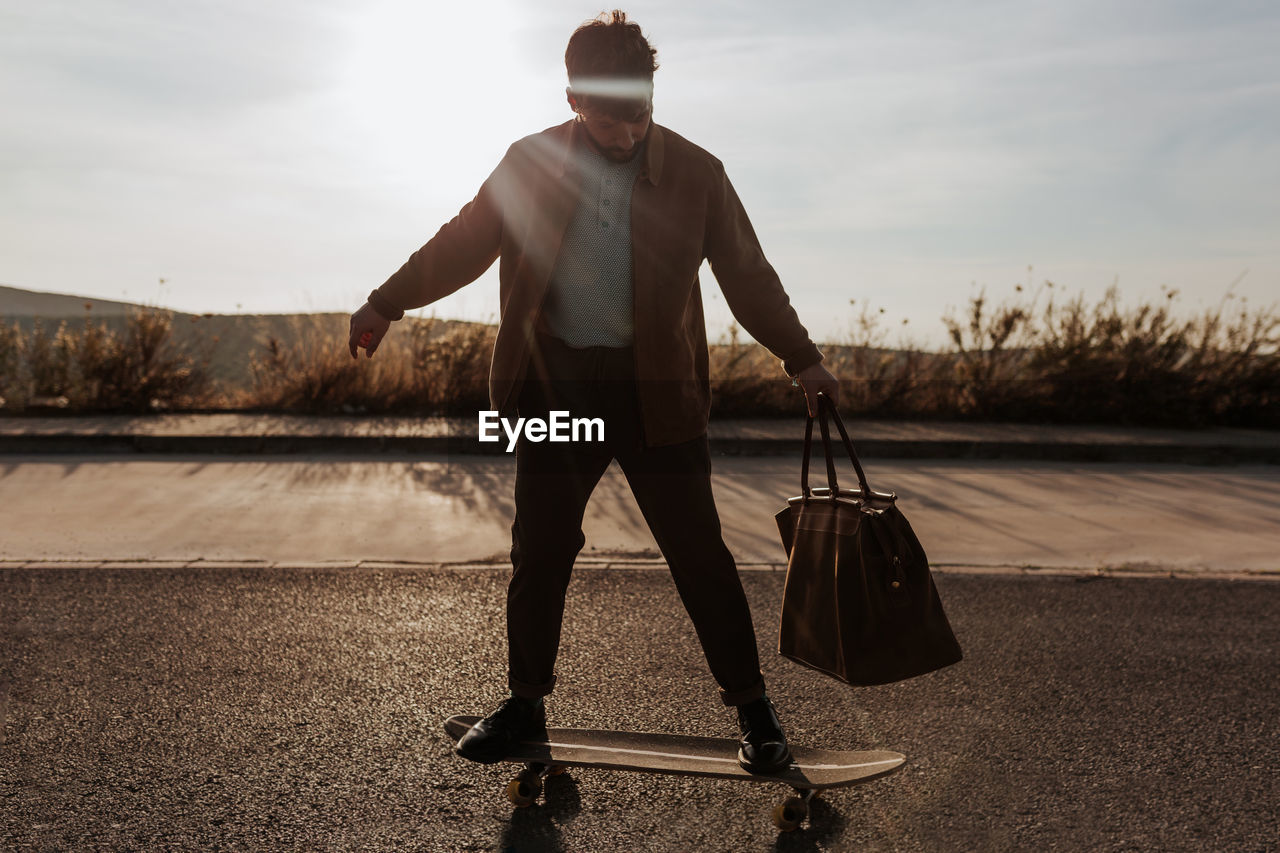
810	771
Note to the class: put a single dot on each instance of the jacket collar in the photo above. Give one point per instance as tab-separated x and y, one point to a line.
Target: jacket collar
653	152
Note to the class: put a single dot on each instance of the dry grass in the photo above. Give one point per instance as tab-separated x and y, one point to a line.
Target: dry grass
424	365
95	368
1141	364
1038	356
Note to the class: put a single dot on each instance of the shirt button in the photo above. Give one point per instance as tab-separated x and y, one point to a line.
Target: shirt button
604	224
606	202
608	182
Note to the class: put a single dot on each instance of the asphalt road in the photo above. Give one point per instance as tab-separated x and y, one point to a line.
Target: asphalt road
301	710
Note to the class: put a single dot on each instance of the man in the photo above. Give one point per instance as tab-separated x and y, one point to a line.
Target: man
601	225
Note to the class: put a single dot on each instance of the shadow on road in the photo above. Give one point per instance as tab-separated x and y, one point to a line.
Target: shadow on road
824	827
536	829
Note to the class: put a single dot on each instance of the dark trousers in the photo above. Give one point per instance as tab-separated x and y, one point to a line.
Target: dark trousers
672	486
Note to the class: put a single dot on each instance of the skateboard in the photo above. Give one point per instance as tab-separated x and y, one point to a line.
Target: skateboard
810	771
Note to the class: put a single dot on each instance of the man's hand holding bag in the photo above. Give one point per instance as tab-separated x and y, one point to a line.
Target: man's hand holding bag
859	603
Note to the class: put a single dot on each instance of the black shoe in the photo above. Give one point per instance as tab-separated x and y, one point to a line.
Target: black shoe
764	746
492	739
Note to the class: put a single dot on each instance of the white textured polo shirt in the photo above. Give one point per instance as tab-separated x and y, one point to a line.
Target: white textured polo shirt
589	296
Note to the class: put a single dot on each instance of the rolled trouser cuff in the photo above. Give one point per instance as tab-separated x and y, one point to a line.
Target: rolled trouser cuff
526	690
742	697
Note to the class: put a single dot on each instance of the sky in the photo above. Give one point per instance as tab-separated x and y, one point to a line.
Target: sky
288	156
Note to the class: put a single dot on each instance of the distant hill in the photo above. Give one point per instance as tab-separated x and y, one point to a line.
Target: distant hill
15	302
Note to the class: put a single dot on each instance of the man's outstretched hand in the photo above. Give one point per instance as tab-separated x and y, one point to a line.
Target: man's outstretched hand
368	328
815	378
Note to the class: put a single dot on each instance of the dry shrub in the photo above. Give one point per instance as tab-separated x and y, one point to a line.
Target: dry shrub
430	367
1143	365
99	369
878	379
13	387
51	360
984	374
748	381
451	365
141	371
312	371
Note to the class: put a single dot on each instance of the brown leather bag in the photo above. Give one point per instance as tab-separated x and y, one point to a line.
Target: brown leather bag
859	603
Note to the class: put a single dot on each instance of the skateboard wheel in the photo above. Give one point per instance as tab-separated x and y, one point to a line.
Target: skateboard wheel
790	813
523	791
557	769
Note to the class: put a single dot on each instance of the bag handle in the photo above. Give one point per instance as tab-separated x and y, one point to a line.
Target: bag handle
824	402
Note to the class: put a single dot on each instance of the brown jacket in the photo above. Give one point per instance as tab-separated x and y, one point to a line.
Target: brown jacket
683	209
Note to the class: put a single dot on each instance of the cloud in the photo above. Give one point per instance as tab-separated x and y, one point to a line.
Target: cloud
992	133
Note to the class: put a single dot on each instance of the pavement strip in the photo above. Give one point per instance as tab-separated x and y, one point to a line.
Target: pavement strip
1082	572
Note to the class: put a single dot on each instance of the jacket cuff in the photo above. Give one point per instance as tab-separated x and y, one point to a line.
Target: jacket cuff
383	307
800	359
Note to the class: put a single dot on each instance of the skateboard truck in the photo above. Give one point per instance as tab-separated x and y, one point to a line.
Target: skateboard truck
791	812
523	790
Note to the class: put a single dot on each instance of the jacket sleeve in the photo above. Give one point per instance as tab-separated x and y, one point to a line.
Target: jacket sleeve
748	281
457	255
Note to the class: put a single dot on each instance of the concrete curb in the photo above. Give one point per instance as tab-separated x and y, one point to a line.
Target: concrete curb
234	445
1079	573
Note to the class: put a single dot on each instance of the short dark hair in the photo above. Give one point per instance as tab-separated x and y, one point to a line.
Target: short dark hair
610	46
